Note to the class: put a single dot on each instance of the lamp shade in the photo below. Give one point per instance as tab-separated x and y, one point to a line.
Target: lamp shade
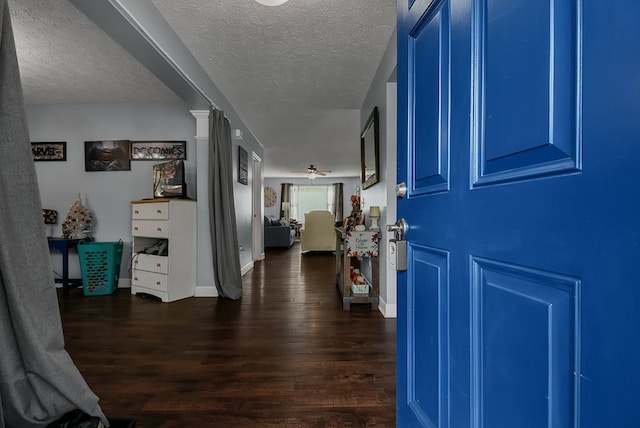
374	212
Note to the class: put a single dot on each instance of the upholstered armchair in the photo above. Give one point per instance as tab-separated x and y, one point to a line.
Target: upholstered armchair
318	232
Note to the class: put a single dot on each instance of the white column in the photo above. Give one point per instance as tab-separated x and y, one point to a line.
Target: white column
205	282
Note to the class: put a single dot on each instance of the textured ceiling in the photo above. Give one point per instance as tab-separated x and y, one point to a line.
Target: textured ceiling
65	58
297	74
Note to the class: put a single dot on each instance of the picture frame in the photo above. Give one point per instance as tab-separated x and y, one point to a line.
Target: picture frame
243	166
369	151
107	155
158	150
49	151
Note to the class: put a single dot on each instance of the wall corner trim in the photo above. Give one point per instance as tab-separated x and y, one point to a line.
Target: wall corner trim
202	122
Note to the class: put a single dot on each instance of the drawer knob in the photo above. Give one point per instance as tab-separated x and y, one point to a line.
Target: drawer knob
159	211
157	282
158	265
135	262
135	278
159	229
135	228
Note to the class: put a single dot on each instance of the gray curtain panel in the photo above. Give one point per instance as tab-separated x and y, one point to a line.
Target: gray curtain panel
222	211
38	380
338	202
285	196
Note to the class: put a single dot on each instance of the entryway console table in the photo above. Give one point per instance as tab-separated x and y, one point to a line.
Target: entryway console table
353	248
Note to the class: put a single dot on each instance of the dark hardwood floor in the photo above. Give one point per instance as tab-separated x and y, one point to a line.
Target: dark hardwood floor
285	355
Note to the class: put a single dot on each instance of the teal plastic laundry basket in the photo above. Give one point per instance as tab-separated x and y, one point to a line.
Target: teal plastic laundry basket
100	266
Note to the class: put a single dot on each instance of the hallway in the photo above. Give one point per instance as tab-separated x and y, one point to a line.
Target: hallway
285	355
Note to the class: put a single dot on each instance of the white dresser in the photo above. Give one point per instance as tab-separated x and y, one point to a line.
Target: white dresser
170	225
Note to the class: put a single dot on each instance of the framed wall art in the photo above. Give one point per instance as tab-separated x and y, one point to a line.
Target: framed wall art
369	151
49	151
158	150
243	166
107	155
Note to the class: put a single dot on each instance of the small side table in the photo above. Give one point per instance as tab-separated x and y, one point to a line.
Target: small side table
63	244
296	226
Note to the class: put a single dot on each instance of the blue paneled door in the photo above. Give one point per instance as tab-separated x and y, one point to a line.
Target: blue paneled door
519	142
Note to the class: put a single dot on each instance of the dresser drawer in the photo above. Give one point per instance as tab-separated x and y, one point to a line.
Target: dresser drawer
151	211
150	228
155	281
151	263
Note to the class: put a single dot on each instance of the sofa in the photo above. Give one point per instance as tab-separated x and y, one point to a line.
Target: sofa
318	232
278	233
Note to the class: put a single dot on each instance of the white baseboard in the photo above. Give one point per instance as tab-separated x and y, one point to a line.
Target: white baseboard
246	269
387	310
124	283
206	291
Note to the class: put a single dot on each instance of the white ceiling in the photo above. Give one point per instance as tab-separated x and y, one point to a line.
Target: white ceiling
297	74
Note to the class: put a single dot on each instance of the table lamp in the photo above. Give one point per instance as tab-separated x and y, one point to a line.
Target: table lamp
374	213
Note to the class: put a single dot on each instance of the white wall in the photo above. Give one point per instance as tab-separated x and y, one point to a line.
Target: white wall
382	93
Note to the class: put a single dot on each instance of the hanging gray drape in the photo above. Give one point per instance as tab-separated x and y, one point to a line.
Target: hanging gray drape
38	380
222	211
338	202
285	196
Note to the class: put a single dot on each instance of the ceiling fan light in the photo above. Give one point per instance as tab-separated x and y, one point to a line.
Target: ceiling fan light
312	175
272	2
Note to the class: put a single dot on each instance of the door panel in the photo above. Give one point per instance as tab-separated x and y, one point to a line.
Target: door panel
427	355
527	78
525	349
518	143
429	56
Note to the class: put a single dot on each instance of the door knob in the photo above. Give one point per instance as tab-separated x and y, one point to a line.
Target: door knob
399	228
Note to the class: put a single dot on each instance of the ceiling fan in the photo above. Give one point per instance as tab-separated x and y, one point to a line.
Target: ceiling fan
312	172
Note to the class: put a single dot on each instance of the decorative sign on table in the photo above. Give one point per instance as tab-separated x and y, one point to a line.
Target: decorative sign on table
362	243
